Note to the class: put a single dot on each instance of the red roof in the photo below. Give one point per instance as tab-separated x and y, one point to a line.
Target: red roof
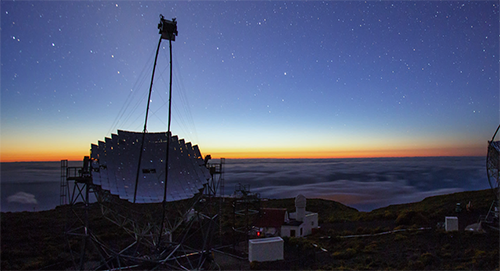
271	217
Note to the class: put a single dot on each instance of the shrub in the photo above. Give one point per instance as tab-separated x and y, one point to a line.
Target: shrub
345	254
416	265
410	218
400	237
371	248
427	258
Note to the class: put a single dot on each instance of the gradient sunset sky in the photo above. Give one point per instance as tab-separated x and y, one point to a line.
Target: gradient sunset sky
253	79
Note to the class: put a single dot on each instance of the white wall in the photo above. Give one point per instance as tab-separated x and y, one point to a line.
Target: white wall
310	222
286	230
265	249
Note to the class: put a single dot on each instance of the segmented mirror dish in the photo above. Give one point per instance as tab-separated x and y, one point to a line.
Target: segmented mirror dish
116	159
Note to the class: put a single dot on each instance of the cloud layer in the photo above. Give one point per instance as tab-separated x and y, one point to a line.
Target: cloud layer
365	184
23	198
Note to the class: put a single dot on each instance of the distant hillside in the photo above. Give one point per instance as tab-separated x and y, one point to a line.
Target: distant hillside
437	207
325	208
434	208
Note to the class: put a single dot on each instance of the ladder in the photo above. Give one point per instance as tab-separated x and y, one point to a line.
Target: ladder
63	200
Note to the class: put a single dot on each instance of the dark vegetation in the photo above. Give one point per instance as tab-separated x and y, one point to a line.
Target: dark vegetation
36	240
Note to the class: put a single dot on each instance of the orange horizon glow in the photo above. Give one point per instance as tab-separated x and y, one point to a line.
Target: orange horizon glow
349	152
344	154
40	157
263	154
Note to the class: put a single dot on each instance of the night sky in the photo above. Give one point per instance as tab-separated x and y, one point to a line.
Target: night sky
252	79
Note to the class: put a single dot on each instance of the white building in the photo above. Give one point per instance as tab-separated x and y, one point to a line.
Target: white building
302	222
278	222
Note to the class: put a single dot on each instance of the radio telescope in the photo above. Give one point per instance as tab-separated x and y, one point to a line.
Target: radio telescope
154	186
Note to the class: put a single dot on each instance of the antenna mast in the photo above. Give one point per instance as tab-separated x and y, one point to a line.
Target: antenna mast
168	30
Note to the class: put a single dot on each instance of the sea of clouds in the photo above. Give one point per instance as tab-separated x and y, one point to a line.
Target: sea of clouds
364	184
31	186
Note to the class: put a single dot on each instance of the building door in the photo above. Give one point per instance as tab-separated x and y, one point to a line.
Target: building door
292	233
